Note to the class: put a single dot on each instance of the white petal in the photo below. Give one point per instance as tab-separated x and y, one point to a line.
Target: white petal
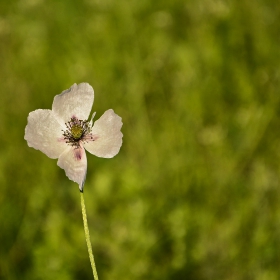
107	134
74	162
43	132
76	101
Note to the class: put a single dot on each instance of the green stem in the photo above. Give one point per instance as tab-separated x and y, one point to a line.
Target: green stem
94	271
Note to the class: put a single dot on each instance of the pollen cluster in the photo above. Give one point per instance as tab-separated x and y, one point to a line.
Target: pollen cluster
77	131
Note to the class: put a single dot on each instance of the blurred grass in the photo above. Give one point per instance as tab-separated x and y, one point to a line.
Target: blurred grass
194	192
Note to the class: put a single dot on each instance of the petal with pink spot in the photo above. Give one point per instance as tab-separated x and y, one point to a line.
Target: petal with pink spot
74	162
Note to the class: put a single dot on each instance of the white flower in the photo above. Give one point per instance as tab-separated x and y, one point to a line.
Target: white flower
65	132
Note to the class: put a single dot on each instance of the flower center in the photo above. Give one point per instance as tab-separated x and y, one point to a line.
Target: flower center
77	131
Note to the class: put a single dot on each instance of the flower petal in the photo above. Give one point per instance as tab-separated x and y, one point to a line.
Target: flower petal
43	132
107	135
76	101
74	162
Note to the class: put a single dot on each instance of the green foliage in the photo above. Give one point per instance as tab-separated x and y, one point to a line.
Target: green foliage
194	192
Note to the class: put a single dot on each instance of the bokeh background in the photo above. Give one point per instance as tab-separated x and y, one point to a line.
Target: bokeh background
194	192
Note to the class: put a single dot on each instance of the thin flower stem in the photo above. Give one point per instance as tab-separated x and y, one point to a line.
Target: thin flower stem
88	237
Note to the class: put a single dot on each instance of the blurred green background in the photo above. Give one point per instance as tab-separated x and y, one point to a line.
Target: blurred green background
194	192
